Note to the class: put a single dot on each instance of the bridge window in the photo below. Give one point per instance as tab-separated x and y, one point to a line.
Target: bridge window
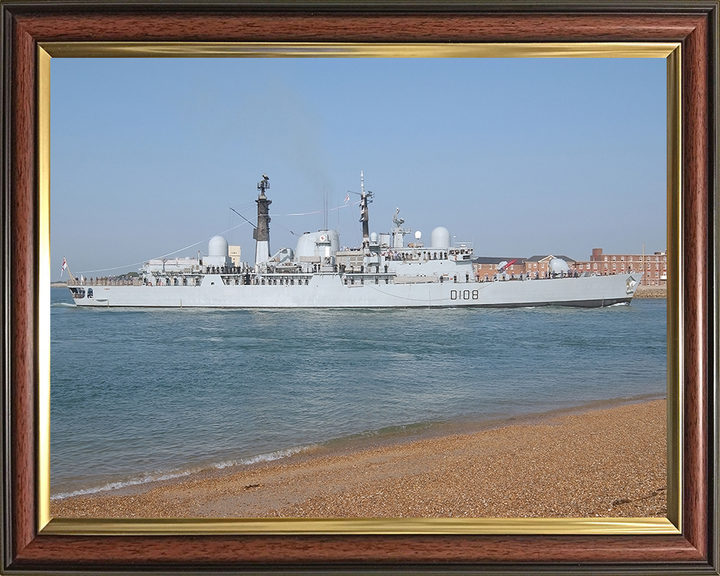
78	293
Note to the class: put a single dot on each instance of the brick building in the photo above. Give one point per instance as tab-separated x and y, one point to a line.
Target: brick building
486	266
540	264
653	266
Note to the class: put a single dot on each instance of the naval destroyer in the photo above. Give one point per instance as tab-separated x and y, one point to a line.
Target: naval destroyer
382	273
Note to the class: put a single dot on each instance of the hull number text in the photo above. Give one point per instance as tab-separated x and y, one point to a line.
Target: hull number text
463	294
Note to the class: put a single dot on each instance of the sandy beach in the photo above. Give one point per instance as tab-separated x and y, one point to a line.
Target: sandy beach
607	462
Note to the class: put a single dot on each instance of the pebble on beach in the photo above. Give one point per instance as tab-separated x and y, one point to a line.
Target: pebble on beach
602	463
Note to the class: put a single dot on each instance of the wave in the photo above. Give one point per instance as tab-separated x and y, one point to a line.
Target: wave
123	484
63	305
171	475
269	457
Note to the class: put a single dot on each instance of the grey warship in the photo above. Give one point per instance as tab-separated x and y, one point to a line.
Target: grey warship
383	272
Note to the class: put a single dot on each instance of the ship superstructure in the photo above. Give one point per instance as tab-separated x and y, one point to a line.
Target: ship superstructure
383	272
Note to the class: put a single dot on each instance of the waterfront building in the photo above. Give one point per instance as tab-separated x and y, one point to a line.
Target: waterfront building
234	253
487	266
536	266
541	263
653	266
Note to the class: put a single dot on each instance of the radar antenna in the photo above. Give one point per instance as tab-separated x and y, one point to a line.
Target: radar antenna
365	199
399	232
263	185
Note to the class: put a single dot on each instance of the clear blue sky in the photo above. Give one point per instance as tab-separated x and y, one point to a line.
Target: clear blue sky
521	156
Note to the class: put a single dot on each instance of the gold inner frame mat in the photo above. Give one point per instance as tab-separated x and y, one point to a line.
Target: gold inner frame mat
585	526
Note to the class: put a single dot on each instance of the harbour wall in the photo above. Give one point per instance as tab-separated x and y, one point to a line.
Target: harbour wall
651	291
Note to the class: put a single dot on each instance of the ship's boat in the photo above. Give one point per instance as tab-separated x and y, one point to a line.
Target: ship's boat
384	272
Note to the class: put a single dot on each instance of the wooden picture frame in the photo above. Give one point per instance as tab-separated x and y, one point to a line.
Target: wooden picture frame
31	545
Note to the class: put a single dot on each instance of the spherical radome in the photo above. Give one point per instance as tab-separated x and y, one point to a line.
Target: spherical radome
217	246
440	238
559	266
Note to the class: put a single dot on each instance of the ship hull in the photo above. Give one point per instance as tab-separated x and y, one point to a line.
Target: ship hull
331	291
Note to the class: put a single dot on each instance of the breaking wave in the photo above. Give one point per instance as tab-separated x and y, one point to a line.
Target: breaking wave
123	484
269	457
148	478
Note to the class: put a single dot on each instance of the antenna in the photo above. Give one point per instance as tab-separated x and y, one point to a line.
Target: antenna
263	185
365	197
325	209
243	217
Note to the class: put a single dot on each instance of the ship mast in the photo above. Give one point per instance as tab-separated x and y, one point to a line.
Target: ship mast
365	198
261	234
399	232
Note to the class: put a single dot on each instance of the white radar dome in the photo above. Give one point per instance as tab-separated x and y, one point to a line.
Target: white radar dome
217	246
440	238
558	266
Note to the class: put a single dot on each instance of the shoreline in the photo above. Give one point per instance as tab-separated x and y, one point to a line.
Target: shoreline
606	459
651	291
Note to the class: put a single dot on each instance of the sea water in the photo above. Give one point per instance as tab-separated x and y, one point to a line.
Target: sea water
145	394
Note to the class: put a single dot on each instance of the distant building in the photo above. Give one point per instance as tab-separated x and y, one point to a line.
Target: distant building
653	266
487	266
540	264
234	253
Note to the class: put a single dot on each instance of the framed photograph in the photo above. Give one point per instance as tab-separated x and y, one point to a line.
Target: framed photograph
684	38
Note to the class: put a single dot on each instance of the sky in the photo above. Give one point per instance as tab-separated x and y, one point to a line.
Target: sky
520	156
